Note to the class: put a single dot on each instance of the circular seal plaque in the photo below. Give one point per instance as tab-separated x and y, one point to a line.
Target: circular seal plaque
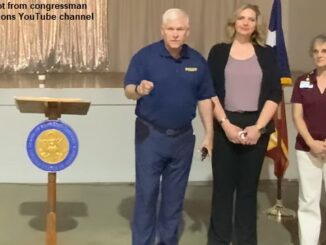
52	145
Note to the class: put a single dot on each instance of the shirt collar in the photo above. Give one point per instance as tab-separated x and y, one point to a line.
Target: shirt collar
165	53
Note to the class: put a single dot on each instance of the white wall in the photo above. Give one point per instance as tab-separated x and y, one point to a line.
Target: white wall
306	19
106	137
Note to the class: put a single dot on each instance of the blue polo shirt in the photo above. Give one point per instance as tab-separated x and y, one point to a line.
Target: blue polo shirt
178	85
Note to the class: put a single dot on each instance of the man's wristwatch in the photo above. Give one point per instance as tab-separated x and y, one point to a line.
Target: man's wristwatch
136	90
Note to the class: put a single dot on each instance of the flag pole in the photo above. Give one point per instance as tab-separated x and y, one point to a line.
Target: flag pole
279	143
279	212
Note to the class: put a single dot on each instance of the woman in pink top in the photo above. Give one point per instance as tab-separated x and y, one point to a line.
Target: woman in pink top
248	89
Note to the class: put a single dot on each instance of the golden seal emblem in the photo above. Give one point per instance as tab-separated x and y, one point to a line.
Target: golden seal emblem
52	146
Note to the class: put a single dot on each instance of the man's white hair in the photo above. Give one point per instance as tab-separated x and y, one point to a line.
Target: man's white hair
174	14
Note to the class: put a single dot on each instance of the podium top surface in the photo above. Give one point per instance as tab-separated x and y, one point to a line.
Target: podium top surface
73	106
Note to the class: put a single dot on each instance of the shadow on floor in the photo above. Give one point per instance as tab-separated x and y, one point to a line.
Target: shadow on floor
66	212
197	206
323	227
126	208
289	199
290	194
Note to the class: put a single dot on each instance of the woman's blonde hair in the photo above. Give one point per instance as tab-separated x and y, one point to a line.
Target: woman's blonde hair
321	38
259	35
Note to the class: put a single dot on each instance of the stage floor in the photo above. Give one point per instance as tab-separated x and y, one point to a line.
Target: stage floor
63	80
100	214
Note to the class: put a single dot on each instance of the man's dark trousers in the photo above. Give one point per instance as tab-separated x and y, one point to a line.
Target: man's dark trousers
162	164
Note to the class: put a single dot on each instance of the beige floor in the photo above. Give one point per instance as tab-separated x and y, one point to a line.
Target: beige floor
99	214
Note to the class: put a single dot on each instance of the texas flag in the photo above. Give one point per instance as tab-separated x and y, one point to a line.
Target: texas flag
275	39
278	142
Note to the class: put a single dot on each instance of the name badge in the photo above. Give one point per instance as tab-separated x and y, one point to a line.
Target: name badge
306	84
191	69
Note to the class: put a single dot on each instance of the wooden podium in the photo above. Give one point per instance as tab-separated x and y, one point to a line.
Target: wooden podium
53	108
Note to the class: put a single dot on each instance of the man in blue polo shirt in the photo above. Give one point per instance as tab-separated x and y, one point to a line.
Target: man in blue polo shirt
168	79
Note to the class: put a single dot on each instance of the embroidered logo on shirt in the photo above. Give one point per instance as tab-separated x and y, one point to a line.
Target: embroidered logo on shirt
191	69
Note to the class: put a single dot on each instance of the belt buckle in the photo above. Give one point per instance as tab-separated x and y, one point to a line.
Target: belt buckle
170	132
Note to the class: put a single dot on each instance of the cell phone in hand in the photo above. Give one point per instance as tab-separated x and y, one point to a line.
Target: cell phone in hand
204	153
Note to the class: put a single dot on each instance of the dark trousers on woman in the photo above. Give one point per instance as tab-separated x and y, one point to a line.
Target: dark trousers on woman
236	171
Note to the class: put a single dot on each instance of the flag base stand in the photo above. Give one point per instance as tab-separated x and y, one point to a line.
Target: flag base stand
279	212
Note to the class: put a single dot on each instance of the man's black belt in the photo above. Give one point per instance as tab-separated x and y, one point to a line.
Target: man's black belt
168	132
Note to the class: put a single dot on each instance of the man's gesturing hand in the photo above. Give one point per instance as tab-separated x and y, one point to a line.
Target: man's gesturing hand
145	87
